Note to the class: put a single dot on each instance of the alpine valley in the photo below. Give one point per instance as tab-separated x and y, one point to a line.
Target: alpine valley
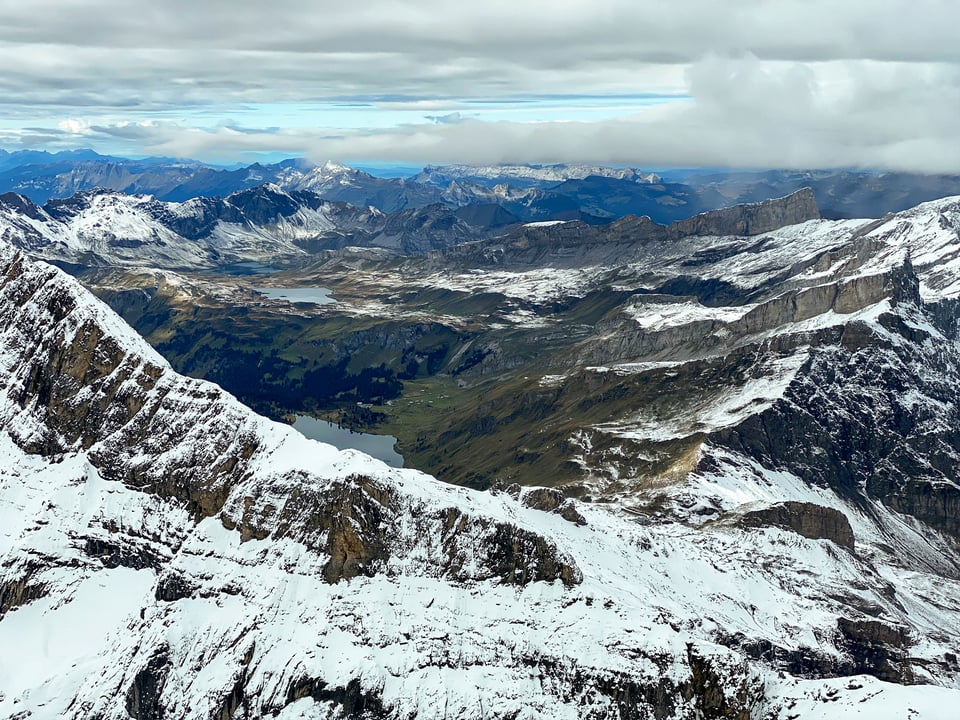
695	466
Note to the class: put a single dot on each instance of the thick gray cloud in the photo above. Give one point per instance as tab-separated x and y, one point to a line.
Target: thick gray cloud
678	31
769	82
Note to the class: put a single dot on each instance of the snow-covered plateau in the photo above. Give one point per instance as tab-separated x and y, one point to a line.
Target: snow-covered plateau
167	553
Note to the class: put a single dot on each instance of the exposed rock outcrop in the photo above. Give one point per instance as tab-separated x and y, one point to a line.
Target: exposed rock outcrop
877	649
553	501
812	521
144	699
20	590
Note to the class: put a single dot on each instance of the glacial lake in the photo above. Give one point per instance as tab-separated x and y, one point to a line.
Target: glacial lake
379	446
316	295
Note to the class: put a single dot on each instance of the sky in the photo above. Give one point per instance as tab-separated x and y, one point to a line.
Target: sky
650	83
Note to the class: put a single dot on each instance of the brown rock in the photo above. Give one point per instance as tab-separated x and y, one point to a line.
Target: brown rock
553	501
545	499
807	519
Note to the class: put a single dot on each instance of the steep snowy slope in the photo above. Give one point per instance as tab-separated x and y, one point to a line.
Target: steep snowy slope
164	552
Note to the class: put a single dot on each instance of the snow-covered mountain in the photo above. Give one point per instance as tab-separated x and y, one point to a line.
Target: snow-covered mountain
164	552
43	177
335	181
263	224
541	192
532	192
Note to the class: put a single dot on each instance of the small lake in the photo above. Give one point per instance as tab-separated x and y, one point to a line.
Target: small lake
379	446
317	295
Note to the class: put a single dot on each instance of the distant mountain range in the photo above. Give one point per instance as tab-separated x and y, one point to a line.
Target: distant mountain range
593	194
263	224
539	176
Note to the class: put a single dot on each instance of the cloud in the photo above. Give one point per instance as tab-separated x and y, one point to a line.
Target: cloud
220	52
569	30
742	112
791	82
73	126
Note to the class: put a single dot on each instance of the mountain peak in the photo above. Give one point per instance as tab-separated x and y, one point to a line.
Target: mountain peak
331	166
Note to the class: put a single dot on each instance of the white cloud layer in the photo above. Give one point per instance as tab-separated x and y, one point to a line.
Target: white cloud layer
798	83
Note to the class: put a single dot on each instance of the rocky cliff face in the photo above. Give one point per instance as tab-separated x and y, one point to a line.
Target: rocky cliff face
751	218
182	557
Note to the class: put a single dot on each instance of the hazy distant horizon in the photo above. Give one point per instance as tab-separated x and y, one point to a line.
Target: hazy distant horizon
387	169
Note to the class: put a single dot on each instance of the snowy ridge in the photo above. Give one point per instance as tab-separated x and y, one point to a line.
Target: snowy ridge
113	226
784	300
266	224
815	252
178	554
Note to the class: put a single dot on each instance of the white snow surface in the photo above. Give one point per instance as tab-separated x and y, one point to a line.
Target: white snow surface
536	286
114	226
544	223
